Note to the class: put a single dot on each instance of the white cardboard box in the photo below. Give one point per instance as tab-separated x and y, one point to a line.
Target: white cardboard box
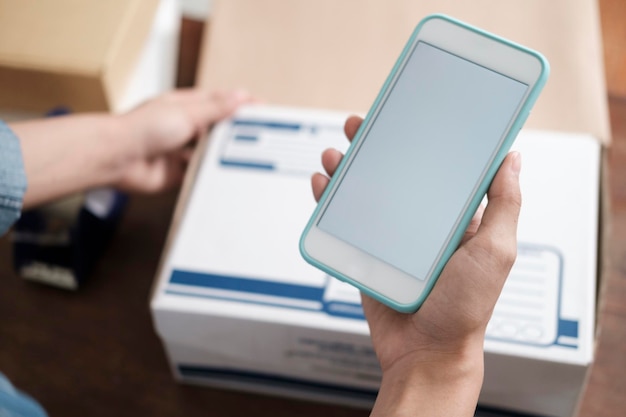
236	306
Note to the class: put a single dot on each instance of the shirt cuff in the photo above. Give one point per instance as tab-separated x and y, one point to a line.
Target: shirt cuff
12	178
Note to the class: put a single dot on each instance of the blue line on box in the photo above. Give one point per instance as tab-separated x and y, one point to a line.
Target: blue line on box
247	285
277	381
246	164
246	138
243	300
270	125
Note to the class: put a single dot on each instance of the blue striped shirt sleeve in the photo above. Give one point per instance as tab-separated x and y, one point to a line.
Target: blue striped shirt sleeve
13	403
12	178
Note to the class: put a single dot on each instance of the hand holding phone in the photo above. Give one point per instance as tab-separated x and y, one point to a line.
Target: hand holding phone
421	162
440	348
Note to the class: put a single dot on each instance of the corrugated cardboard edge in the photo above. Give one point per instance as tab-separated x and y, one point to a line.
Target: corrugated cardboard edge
603	258
605	223
124	51
187	186
181	206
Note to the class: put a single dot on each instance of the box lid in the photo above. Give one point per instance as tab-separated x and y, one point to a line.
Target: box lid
78	38
337	54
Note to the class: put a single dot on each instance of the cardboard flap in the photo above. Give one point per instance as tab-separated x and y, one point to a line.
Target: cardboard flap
73	53
336	55
44	35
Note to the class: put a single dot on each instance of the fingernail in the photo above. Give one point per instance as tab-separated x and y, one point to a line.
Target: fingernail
516	163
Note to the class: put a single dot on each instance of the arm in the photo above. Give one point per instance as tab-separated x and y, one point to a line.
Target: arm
144	150
432	360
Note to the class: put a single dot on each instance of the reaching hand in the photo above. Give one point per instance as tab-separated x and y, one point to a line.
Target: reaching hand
145	150
163	131
441	344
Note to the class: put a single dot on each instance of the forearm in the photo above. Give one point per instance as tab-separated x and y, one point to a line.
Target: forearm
447	389
68	154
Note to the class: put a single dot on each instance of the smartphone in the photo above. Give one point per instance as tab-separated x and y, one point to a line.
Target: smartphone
422	160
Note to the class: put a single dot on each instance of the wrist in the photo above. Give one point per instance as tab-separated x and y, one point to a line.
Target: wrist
65	155
124	148
431	385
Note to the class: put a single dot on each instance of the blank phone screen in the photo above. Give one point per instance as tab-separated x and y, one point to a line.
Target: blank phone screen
423	156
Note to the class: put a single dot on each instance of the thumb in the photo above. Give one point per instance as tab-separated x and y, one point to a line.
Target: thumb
497	233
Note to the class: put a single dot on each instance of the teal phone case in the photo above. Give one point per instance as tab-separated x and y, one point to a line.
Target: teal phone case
481	191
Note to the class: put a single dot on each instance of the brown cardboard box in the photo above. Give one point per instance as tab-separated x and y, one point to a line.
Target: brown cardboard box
69	53
336	55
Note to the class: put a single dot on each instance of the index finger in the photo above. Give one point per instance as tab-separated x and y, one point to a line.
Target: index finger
352	126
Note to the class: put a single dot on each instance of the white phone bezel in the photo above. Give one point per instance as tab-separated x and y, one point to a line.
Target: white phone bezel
363	268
